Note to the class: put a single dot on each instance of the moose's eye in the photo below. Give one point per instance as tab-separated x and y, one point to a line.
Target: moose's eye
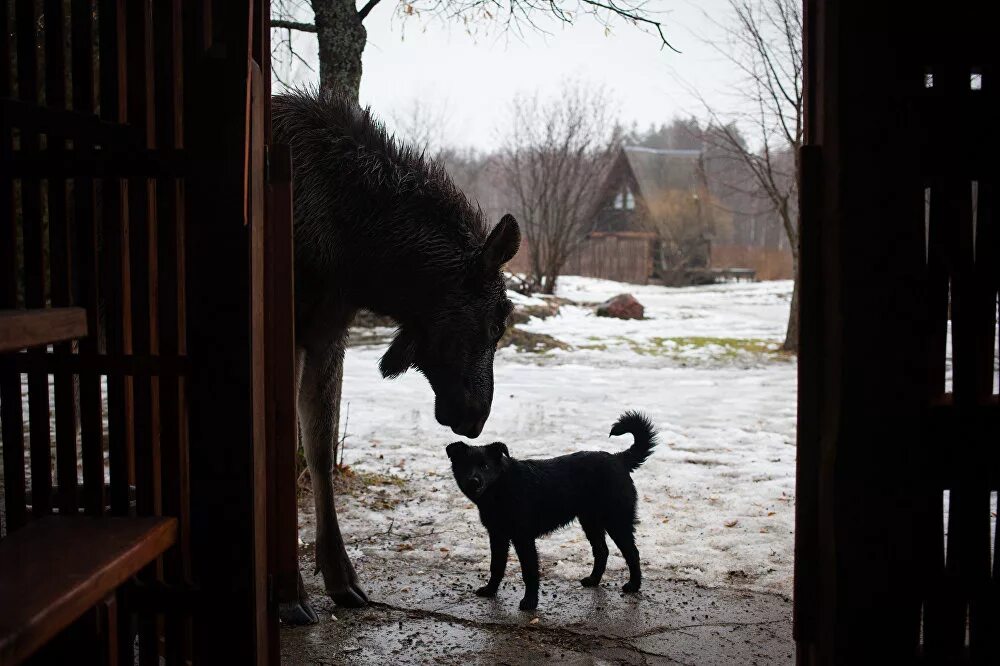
486	467
495	331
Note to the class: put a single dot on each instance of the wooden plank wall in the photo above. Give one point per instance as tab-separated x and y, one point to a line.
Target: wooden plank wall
119	184
609	256
899	418
767	263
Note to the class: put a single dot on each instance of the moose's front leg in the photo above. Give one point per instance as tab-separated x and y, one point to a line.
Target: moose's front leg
318	406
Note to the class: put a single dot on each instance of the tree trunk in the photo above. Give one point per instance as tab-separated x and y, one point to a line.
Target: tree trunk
792	332
550	283
341	37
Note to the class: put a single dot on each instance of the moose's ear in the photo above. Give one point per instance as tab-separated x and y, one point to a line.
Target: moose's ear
501	246
399	357
499	449
455	448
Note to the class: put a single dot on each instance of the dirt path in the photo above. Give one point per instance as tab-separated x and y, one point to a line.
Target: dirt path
430	615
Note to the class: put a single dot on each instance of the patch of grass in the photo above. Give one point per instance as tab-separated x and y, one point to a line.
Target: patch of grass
375	490
685	348
523	313
376	479
724	346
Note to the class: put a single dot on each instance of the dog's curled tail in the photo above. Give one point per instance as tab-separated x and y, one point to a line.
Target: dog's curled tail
642	430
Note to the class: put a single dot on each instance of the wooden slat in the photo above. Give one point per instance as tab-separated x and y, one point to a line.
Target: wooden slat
72	163
58	567
87	274
116	277
10	382
34	253
130	365
259	351
169	125
282	422
968	518
144	311
984	609
20	329
143	261
80	123
60	258
941	633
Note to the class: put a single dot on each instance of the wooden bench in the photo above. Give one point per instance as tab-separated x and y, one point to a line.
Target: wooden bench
56	568
20	329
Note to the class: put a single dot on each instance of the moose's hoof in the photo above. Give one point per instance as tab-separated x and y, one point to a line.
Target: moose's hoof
630	587
590	581
486	591
528	603
349	595
297	613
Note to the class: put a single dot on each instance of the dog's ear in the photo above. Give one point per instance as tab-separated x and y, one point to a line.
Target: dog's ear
499	449
455	449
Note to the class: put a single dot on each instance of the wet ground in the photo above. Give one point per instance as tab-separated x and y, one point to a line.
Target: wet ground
431	616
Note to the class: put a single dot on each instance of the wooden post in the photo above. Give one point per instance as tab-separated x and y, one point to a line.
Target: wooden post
226	521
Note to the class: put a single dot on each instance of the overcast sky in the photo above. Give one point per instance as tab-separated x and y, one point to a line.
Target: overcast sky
469	80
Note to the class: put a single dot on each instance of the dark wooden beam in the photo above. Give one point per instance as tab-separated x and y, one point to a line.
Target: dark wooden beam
21	329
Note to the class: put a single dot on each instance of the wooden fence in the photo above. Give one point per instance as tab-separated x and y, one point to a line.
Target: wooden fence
767	263
624	257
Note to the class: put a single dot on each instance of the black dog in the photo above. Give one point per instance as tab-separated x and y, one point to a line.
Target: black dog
520	500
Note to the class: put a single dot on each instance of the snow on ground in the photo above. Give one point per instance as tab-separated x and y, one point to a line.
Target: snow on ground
716	499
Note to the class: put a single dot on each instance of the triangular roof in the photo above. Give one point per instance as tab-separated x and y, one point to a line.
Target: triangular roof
659	170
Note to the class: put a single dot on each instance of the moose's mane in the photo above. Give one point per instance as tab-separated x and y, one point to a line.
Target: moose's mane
346	160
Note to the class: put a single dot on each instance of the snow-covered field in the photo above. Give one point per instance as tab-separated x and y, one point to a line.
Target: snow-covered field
716	499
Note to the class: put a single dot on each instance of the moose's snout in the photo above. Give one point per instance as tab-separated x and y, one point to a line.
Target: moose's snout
468	427
462	415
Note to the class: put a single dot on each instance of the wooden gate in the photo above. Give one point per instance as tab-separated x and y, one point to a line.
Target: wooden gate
898	463
145	333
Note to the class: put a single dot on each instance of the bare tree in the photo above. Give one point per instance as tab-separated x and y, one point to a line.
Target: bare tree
764	44
341	34
557	153
684	222
422	125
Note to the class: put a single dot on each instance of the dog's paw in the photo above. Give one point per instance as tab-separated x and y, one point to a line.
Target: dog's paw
486	591
630	587
528	603
590	581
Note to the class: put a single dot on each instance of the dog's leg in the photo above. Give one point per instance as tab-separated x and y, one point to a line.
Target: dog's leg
595	534
316	406
624	538
499	549
528	556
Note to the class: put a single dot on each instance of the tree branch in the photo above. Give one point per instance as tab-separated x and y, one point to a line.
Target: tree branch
293	25
369	6
632	15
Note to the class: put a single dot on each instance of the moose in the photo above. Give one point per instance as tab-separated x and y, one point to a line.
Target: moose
381	227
